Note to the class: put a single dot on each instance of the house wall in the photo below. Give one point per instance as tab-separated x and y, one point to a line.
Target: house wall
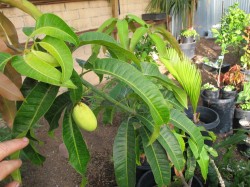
82	16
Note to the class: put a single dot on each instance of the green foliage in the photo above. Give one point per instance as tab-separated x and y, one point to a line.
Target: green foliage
189	33
209	86
244	95
229	88
245	59
135	89
156	6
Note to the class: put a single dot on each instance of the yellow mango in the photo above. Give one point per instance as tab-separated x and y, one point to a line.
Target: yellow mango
84	117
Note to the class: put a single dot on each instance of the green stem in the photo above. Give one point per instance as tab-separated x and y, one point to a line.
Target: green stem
105	96
25	6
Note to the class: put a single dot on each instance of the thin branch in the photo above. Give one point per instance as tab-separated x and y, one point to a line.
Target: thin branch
222	183
106	96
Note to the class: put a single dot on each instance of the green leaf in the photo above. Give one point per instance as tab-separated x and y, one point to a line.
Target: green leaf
76	146
203	163
152	70
8	31
137	19
124	155
181	121
159	43
76	94
157	159
191	165
122	29
169	142
33	155
54	26
109	42
39	70
28	30
35	106
54	113
136	37
106	24
60	51
4	59
45	57
148	91
193	148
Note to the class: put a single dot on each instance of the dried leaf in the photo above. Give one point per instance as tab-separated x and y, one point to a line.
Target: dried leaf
8	111
9	90
8	31
13	75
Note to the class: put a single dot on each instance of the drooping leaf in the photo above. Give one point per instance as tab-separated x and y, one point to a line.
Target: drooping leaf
157	159
60	51
39	71
9	90
8	111
159	44
106	24
8	31
124	155
203	163
193	148
75	144
13	75
169	142
35	106
27	86
191	165
4	58
181	121
141	85
76	94
109	43
54	26
108	115
136	37
122	28
33	155
137	19
54	113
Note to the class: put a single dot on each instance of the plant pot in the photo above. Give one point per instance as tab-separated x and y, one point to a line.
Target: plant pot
188	49
247	74
140	170
240	114
224	68
154	16
147	180
228	94
212	94
225	109
187	39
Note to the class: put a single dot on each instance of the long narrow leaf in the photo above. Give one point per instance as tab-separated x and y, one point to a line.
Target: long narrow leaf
136	37
54	26
148	91
203	163
181	121
157	159
76	146
4	58
35	106
76	94
124	155
122	28
33	155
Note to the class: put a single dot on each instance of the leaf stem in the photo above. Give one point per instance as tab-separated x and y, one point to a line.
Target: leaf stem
106	96
222	183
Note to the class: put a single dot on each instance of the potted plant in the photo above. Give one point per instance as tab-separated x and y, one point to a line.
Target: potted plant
188	35
242	110
233	23
245	59
210	91
156	10
228	91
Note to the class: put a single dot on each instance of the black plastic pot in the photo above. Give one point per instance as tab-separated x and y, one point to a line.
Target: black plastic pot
240	114
147	180
212	94
187	39
140	170
224	108
154	16
188	49
227	94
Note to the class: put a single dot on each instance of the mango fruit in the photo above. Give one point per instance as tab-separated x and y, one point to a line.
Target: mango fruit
84	117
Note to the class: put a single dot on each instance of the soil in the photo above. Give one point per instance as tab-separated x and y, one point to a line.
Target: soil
56	172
